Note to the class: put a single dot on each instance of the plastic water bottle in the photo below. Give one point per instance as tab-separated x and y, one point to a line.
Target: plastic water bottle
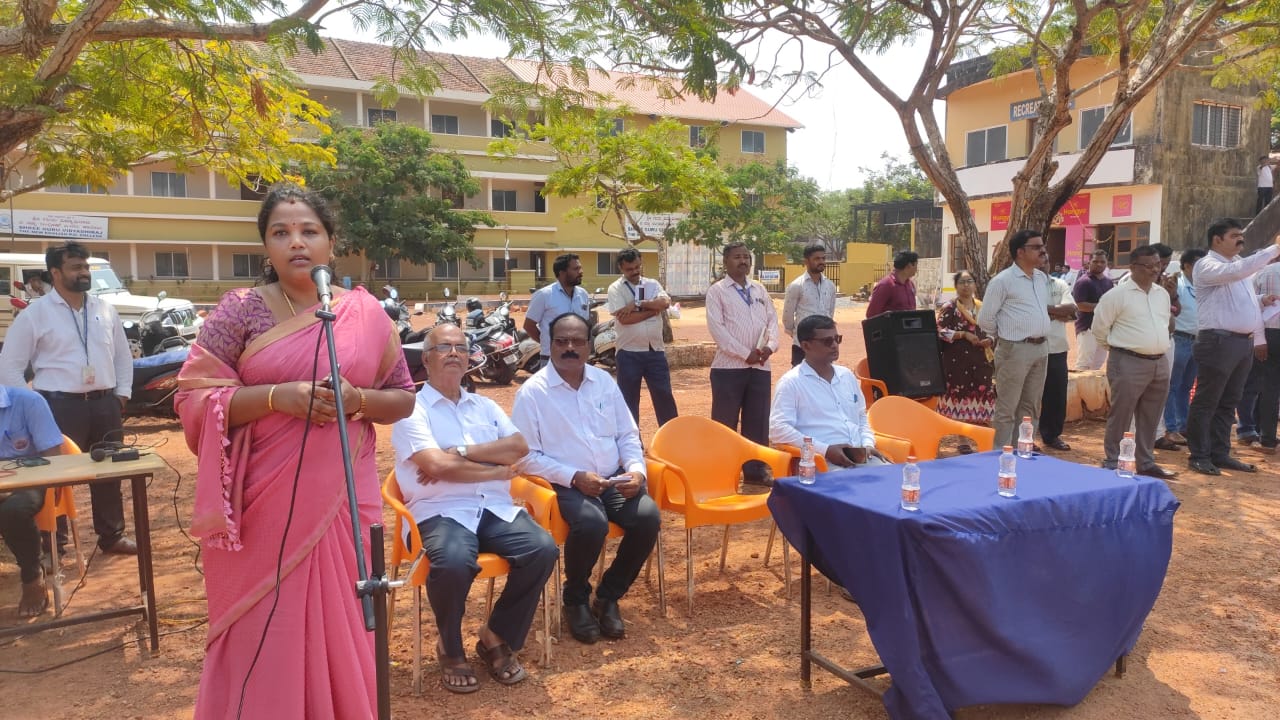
1026	438
1008	479
1126	465
911	485
808	469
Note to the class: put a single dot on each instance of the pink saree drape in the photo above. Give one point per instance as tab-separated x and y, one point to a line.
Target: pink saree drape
317	659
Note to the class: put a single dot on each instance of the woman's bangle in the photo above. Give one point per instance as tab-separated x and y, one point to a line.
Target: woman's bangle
270	393
359	413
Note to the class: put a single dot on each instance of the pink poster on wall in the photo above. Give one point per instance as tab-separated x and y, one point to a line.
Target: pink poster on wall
1000	215
1121	206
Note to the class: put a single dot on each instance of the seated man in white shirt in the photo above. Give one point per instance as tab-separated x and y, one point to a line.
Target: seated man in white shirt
821	400
454	461
583	440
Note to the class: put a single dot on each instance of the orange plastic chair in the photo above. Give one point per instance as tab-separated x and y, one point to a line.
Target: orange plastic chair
925	428
59	502
873	389
694	466
491	567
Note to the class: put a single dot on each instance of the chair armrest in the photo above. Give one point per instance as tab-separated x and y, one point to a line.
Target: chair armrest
538	499
897	448
983	437
667	474
403	516
819	461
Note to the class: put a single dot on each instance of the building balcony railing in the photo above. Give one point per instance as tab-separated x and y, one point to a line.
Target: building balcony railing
1116	167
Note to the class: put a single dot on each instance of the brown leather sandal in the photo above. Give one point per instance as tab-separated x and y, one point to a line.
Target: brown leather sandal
456	668
501	662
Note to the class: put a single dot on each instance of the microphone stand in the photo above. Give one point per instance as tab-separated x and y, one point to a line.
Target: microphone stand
372	591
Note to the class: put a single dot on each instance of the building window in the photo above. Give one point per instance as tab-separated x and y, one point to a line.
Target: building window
753	142
985	146
253	188
955	253
1120	240
246	265
445	270
504	200
444	124
500	128
1215	125
698	136
500	268
387	269
618	127
86	190
1091	120
606	263
602	202
751	199
539	200
168	184
171	264
380	115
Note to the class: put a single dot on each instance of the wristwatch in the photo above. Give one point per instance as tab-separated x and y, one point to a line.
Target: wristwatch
462	450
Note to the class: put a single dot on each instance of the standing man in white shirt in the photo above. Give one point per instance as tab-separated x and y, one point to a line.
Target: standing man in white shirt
1183	373
1230	337
564	295
810	294
1267	282
637	304
744	324
1014	312
1266	183
1132	320
76	346
1053	400
583	440
821	400
454	461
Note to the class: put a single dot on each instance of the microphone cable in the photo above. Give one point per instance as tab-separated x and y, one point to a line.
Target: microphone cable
293	496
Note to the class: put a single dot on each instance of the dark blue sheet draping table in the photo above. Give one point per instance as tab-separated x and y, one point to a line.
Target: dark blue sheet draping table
982	599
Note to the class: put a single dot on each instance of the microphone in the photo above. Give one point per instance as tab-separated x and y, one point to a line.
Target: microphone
322	276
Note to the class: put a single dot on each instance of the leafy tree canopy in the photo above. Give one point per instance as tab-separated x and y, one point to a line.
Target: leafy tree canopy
392	193
768	212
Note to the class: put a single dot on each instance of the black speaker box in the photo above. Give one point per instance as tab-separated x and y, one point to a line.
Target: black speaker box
903	353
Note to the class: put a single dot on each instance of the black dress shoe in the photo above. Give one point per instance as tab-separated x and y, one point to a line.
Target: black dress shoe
611	625
1164	443
122	546
1156	471
582	624
1230	463
1204	467
1058	444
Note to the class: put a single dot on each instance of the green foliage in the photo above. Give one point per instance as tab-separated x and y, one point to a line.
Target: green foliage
772	208
389	188
897	180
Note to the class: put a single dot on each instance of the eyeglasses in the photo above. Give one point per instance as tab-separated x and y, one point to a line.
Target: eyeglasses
830	341
446	348
570	342
966	281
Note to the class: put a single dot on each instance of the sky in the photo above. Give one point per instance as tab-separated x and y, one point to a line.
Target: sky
846	124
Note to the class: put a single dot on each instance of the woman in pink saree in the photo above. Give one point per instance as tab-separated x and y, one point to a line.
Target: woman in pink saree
248	402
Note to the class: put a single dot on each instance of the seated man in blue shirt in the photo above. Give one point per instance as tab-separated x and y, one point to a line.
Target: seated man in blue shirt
454	462
28	430
821	400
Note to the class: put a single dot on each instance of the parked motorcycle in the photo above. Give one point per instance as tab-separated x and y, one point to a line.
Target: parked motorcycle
398	312
155	381
604	336
157	331
448	312
497	362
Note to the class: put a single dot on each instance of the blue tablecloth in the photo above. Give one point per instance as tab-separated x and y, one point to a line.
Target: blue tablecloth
982	599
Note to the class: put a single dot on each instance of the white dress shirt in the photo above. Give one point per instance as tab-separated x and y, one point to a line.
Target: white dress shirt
569	430
1014	307
1059	294
1134	319
804	297
550	303
806	405
647	334
737	317
437	423
1225	299
50	337
1267	282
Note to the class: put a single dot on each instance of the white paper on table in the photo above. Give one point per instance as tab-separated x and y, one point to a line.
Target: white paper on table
1270	311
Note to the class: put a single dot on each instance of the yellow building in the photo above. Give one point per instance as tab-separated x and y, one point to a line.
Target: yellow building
1187	155
194	235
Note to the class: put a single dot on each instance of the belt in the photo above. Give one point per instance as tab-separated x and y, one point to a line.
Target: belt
1030	340
1227	333
1187	335
91	395
1144	356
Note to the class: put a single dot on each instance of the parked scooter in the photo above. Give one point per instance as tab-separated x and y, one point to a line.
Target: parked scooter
604	336
155	381
448	311
497	359
398	312
157	331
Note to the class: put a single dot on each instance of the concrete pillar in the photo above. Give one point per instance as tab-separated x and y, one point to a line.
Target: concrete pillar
217	274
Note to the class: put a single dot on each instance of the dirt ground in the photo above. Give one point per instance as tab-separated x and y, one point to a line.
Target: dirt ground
1210	649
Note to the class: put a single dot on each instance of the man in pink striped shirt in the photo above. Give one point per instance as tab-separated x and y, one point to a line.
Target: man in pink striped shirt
744	324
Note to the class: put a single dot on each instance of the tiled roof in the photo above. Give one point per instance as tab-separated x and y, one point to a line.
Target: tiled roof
642	94
351	60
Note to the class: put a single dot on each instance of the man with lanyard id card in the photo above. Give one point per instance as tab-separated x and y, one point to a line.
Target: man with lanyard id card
76	346
637	304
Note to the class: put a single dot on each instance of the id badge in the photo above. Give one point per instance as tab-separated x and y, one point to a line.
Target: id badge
87	375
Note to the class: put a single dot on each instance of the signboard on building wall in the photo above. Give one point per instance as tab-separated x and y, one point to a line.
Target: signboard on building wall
1000	215
1121	206
53	224
1074	213
653	224
1027	109
770	276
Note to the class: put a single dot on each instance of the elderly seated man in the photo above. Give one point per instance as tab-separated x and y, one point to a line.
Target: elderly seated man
454	462
821	400
28	429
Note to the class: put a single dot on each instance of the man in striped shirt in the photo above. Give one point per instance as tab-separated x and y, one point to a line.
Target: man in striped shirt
744	324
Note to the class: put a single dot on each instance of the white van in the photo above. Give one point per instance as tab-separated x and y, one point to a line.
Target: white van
105	284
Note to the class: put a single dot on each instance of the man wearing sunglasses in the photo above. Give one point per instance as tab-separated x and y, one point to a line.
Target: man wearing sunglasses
821	400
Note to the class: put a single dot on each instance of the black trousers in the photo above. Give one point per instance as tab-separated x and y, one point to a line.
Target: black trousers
1053	401
88	422
18	528
1223	362
742	396
797	355
1264	199
588	519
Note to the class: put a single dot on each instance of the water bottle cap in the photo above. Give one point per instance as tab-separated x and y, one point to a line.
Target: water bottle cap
1129	435
911	458
1026	418
808	439
1008	448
